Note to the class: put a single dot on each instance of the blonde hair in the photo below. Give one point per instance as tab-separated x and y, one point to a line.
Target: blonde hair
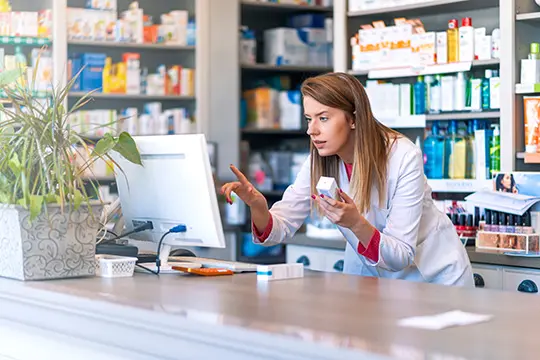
373	140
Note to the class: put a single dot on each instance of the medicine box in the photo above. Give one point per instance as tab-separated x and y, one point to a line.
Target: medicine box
290	106
286	46
91	75
508	241
262	108
327	186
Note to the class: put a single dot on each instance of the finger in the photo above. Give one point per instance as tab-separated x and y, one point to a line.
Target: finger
329	200
230	188
346	198
241	177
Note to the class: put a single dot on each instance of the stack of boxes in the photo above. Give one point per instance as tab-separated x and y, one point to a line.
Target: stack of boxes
407	44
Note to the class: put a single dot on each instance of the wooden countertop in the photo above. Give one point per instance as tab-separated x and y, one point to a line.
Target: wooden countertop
324	310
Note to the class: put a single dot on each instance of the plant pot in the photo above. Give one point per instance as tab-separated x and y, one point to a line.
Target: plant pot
55	245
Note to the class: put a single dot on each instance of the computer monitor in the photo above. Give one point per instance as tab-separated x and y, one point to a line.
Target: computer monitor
174	186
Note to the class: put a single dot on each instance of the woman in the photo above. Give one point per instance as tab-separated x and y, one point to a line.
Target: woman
506	183
385	202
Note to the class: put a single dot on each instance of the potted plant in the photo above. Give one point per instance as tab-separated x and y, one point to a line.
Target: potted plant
49	208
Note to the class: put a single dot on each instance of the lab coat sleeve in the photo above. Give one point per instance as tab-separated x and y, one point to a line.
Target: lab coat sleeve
290	213
397	246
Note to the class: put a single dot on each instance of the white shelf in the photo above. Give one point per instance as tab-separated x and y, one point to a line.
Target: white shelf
459	186
410	71
419	121
285	68
131	96
528	16
464	116
427	7
280	6
131	45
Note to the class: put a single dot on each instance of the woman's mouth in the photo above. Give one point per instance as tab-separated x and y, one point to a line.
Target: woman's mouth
319	144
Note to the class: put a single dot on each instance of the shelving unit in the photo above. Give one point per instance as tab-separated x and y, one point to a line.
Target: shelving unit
523	23
113	96
485	13
128	45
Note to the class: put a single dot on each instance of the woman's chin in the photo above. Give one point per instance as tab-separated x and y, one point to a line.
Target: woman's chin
325	152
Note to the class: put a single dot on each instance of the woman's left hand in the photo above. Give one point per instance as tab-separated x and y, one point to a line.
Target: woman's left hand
342	212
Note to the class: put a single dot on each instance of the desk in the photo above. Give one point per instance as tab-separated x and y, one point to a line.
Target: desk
321	316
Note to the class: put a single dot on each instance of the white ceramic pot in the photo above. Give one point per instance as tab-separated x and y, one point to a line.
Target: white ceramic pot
54	246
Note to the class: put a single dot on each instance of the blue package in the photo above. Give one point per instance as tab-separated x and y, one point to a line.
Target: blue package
91	77
307	21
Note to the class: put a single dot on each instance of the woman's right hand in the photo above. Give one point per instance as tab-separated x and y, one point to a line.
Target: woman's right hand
245	191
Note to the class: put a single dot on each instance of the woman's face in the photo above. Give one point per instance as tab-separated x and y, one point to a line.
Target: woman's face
507	181
330	130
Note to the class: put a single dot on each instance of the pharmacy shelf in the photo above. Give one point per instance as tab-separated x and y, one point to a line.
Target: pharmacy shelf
133	96
285	68
127	45
272	6
427	7
459	186
419	121
528	16
527	88
21	40
464	116
410	71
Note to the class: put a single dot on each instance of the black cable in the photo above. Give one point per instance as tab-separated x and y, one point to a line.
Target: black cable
146	226
158	260
147	269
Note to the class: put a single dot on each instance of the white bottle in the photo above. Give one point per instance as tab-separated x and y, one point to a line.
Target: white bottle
466	40
460	87
496	44
447	93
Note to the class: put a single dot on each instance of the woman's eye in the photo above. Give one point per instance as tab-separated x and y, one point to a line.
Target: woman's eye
323	118
308	119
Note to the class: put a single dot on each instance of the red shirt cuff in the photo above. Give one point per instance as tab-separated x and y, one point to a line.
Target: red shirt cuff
266	233
372	251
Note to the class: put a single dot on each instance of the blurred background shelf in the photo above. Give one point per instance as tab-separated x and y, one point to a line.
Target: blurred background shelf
132	96
128	45
271	6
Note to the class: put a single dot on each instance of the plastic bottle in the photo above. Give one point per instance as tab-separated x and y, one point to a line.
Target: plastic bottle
472	126
456	147
434	154
460	92
435	95
453	40
20	59
495	150
486	104
419	90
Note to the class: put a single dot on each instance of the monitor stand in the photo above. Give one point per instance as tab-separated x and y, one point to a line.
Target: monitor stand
166	265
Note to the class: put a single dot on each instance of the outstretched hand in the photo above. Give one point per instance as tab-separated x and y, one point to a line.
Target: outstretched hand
244	189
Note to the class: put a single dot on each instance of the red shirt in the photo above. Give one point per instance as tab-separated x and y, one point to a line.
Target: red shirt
371	252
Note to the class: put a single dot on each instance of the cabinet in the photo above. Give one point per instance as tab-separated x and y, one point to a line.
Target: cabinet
317	259
506	278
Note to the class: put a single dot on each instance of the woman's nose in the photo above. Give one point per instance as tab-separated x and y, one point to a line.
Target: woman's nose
312	129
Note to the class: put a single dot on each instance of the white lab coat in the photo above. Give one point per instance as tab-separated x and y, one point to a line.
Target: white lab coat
418	242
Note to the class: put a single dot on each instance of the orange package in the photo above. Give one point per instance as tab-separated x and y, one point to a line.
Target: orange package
532	123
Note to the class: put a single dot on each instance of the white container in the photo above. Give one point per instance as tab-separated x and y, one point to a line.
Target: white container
112	266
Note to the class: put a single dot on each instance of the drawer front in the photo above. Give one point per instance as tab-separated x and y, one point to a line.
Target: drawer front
334	260
526	281
488	277
309	256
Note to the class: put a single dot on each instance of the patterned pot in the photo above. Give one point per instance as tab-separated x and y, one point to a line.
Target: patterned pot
53	246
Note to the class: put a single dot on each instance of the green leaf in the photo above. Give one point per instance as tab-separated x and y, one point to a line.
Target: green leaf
22	203
125	146
104	145
11	76
51	199
36	205
15	164
77	199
